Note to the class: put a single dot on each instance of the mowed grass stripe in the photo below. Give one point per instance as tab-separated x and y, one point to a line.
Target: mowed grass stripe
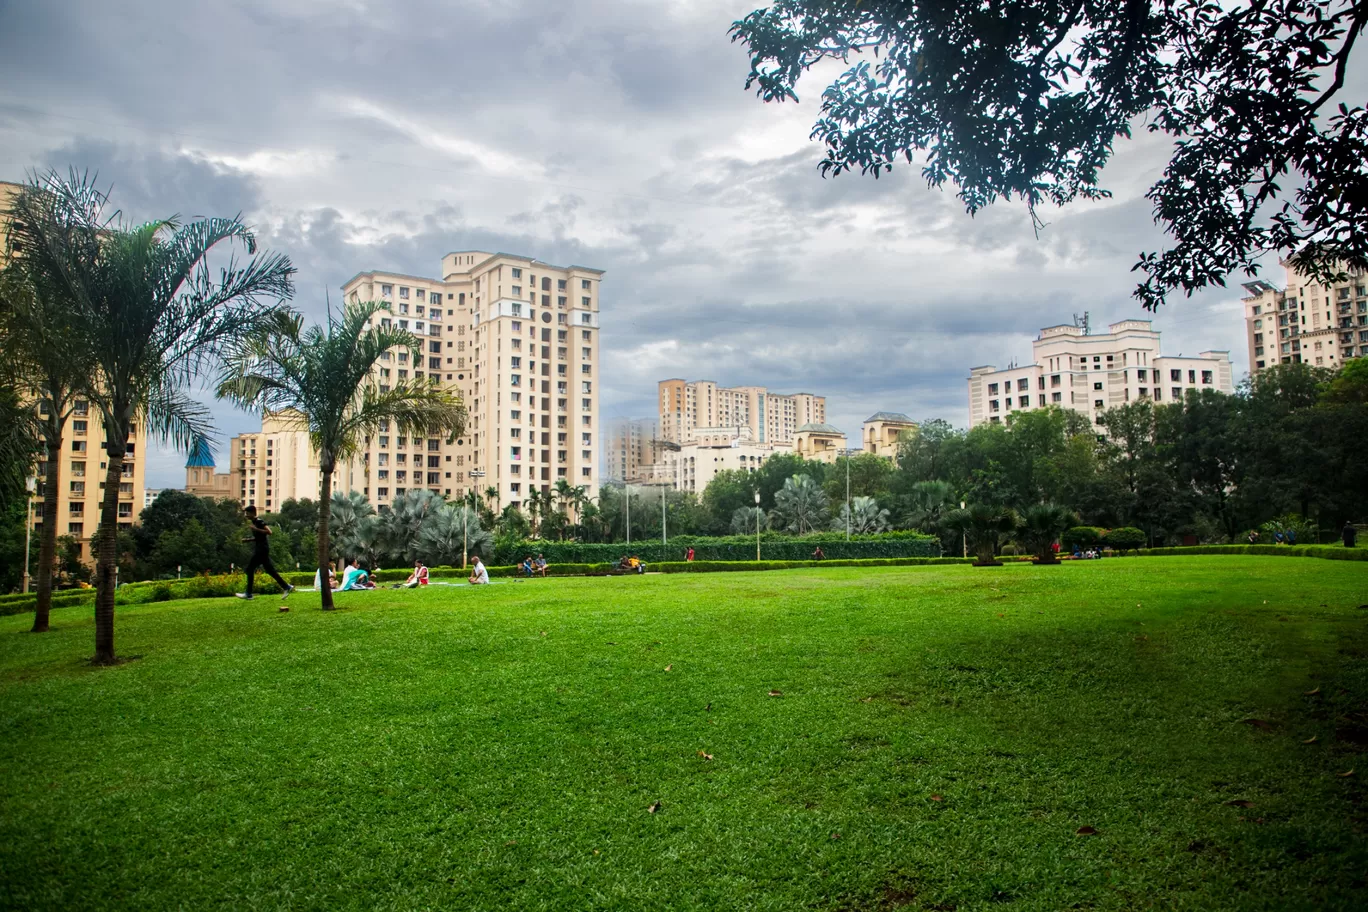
499	747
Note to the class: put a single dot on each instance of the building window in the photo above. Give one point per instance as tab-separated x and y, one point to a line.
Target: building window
992	389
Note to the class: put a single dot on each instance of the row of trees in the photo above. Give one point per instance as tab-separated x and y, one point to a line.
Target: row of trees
128	316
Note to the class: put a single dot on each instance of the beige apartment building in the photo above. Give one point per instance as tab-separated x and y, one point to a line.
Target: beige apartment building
517	339
772	417
1308	322
1092	373
695	464
631	449
81	479
882	433
819	442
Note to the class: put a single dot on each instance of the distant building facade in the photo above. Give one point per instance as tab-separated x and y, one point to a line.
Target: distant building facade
883	432
201	475
772	417
518	340
820	442
631	449
1092	373
1308	322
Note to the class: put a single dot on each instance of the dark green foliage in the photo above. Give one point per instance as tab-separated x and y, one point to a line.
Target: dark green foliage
1083	537
1126	538
1027	101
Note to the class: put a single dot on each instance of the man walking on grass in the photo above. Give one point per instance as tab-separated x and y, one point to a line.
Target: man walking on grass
261	555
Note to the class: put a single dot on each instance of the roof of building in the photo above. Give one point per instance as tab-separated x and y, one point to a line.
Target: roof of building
889	416
815	428
201	455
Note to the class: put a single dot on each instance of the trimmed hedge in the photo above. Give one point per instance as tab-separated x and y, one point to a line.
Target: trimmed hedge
1325	552
731	548
21	602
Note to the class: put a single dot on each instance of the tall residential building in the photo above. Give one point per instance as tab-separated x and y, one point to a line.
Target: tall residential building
278	463
1308	322
81	478
81	470
1092	373
693	465
772	417
518	340
631	448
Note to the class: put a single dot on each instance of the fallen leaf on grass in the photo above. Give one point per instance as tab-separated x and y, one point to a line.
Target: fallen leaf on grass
1001	615
669	667
776	693
653	808
1240	803
705	756
937	798
1257	723
511	842
543	633
1085	831
1312	693
708	708
1345	775
835	835
1310	740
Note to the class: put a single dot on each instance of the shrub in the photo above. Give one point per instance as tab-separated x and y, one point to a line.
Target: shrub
1126	538
1083	537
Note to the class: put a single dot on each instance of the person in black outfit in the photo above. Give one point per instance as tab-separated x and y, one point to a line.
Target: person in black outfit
261	555
1349	534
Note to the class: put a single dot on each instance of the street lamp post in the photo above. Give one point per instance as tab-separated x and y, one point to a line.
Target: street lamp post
663	539
757	526
627	495
847	495
30	485
964	536
465	521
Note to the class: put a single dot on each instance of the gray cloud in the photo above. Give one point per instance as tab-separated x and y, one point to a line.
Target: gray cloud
366	135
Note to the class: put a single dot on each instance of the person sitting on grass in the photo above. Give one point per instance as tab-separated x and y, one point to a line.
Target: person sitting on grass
539	565
332	577
479	576
419	577
355	578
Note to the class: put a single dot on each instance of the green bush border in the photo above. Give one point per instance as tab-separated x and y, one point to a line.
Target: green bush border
1324	552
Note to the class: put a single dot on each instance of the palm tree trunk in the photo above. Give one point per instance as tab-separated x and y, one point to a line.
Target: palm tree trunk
107	562
324	546
47	549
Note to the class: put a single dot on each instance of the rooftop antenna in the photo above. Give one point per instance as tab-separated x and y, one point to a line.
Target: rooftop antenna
1084	322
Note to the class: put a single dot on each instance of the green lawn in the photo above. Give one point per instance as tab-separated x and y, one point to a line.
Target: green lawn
941	735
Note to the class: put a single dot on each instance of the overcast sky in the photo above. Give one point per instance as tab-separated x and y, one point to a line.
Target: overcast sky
381	134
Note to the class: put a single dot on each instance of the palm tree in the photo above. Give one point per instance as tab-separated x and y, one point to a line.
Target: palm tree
533	504
353	524
927	504
402	525
984	526
747	520
491	507
1041	526
866	517
150	316
38	333
327	379
800	506
451	533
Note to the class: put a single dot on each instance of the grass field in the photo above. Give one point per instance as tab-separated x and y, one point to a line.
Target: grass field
938	737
